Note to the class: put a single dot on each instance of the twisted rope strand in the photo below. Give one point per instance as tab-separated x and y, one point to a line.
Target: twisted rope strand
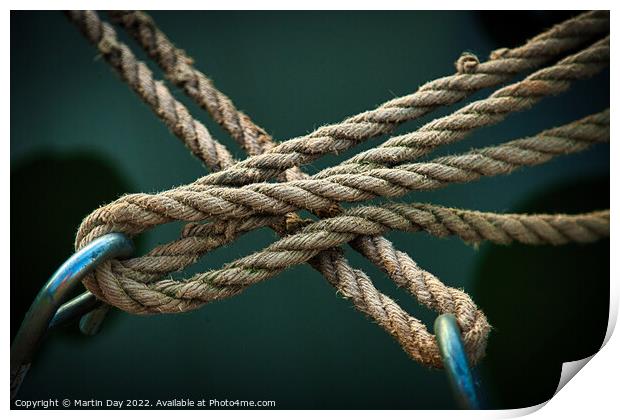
494	160
153	92
409	332
381	308
175	256
137	212
504	63
353	284
460	168
481	224
178	68
336	138
314	194
339	137
517	97
174	295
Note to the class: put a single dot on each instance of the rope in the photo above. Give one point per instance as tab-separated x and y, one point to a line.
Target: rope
503	64
179	295
466	312
445	91
177	67
519	96
135	213
201	200
135	285
137	75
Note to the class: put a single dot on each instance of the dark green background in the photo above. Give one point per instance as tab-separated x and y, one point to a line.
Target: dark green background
80	138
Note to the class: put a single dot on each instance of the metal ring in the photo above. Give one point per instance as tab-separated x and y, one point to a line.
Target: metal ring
74	309
50	298
455	361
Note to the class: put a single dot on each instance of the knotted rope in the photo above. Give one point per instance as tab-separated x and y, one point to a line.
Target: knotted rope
339	137
349	282
195	202
136	286
328	233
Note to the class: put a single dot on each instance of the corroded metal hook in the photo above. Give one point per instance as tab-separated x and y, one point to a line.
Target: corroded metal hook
46	310
455	361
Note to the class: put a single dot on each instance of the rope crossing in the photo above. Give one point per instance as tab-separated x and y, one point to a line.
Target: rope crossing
198	201
239	197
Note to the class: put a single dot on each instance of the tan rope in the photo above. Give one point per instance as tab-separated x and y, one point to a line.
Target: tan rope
133	290
448	90
501	159
177	66
137	75
504	64
472	323
513	98
175	295
135	213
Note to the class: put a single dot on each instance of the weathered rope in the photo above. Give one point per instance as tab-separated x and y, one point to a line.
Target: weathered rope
175	295
137	75
178	68
472	322
135	213
201	200
500	159
409	332
513	98
445	91
494	160
503	65
354	284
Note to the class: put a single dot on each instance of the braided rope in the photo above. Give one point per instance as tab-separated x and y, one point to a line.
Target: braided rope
137	212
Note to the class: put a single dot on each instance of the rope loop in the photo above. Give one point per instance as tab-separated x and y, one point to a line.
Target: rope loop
467	63
268	188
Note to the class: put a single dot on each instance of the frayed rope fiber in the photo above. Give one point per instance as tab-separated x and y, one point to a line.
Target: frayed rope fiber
236	198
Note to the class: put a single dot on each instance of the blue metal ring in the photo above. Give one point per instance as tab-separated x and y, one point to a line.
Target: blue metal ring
41	313
455	361
74	309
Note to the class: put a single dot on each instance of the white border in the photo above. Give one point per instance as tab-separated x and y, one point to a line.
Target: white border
593	394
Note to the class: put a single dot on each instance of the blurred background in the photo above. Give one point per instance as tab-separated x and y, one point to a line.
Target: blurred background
80	138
